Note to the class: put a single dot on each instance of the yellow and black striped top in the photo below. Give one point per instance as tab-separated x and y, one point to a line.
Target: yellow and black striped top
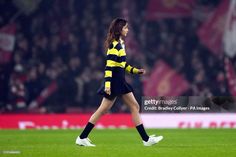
116	59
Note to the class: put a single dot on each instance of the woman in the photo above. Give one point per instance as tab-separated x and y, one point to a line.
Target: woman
115	84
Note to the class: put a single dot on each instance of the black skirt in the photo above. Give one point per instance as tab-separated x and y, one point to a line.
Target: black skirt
119	86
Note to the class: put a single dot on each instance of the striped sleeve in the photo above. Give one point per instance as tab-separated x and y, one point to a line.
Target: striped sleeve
111	59
130	69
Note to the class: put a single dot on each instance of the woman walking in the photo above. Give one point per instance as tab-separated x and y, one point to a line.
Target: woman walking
115	85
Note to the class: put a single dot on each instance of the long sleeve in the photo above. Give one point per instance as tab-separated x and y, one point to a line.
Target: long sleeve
130	69
111	61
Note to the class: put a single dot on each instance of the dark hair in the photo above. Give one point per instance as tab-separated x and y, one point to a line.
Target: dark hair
114	31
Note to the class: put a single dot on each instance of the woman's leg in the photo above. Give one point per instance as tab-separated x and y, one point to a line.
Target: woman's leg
106	104
130	100
133	105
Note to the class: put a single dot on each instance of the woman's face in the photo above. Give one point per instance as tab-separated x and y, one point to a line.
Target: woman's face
125	30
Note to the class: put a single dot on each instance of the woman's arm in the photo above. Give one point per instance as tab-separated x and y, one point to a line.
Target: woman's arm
133	70
111	61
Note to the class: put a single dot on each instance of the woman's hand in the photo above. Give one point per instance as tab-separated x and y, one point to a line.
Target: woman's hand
107	90
141	71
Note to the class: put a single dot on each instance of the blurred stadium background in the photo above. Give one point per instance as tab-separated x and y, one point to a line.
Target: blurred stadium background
52	57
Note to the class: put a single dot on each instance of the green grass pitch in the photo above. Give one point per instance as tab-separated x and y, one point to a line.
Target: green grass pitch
119	143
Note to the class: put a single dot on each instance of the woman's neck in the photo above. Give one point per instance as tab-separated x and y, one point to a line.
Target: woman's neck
121	40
